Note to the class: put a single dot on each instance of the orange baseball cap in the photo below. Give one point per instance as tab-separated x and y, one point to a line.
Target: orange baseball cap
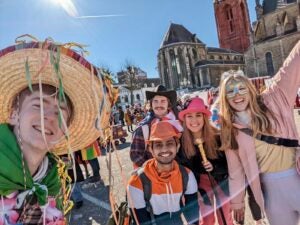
163	130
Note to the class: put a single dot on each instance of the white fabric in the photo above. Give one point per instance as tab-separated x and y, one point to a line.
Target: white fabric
40	174
192	186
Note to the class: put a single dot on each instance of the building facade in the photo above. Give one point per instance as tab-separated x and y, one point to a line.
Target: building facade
186	62
272	36
275	33
140	75
139	95
233	24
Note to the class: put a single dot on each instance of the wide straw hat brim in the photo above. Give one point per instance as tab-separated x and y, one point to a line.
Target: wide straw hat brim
80	84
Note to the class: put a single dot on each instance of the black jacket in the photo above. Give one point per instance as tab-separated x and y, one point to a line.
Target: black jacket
220	168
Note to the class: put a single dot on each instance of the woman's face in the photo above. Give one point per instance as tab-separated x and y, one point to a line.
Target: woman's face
237	95
194	121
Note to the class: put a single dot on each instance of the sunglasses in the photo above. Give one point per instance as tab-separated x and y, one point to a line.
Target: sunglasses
236	90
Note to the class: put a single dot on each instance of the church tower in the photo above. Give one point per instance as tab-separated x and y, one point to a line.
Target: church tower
233	24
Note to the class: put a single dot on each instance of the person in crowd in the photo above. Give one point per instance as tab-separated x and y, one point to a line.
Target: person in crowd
165	176
260	139
161	102
211	175
121	116
90	154
128	119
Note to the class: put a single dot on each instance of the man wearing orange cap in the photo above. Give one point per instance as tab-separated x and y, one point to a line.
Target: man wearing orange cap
169	182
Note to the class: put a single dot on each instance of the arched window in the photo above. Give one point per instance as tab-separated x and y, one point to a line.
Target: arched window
194	54
269	63
126	98
229	17
212	57
228	58
220	57
205	80
138	97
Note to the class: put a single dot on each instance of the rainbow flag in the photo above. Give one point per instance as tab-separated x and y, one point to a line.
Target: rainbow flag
91	151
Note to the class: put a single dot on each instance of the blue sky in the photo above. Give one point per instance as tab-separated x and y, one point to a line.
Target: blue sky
133	30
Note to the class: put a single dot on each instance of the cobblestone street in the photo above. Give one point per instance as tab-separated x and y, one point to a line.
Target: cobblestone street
96	208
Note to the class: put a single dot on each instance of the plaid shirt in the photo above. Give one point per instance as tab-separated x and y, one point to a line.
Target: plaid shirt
138	152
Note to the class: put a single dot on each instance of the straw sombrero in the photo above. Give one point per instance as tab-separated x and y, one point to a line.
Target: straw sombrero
82	83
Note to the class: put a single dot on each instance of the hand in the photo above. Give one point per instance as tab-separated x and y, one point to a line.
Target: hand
238	215
207	166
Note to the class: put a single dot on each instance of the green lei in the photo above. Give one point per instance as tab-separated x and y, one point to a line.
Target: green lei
12	173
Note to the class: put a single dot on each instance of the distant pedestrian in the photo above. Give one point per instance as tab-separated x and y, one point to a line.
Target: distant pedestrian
128	119
90	154
121	115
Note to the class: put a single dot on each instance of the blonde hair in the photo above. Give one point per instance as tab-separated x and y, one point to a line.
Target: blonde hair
260	114
209	138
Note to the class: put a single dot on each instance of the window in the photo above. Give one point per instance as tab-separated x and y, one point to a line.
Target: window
138	97
194	54
205	79
229	16
269	63
126	98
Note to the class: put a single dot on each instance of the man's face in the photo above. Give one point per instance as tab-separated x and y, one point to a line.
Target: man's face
29	121
164	151
160	105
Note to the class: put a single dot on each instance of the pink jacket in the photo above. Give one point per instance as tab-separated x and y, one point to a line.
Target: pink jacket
279	98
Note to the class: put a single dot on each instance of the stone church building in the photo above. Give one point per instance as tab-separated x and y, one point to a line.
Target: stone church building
271	38
184	61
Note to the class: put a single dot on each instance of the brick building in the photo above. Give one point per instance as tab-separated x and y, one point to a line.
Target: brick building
271	38
233	24
275	33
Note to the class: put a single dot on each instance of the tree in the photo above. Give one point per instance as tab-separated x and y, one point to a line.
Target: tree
109	73
131	80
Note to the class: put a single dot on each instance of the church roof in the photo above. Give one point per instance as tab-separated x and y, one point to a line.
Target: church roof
218	62
221	50
178	33
272	5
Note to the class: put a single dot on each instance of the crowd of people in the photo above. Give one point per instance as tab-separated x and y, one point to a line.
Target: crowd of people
132	115
253	148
